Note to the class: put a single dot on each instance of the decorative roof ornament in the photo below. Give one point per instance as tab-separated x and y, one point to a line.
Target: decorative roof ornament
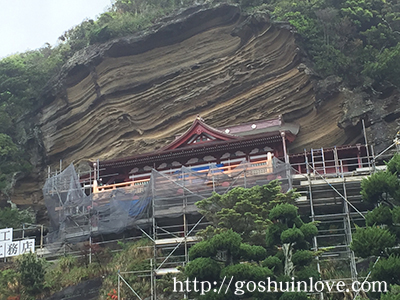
199	118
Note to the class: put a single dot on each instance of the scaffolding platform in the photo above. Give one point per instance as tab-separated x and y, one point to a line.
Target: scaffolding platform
178	240
165	271
316	181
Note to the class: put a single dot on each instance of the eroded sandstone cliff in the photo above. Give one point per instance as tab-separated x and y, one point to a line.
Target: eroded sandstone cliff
131	95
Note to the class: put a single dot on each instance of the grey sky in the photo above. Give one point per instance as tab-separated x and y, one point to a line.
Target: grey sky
29	24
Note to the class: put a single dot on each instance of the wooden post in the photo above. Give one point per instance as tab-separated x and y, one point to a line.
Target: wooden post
336	157
287	167
270	168
283	134
359	157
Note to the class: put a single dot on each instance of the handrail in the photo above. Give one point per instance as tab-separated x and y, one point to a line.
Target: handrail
226	170
250	168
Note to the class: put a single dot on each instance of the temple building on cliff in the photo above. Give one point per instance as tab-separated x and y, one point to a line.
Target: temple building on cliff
202	145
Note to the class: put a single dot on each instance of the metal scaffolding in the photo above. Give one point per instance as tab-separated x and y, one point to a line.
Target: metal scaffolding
330	191
163	208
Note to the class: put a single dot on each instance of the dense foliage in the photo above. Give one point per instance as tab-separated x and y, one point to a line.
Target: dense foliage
245	211
33	278
255	234
381	237
14	218
9	283
31	271
358	40
12	161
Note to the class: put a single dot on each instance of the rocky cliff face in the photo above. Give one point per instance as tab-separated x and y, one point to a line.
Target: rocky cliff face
133	94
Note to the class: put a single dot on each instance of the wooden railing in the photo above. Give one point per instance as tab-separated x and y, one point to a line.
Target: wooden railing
128	184
251	169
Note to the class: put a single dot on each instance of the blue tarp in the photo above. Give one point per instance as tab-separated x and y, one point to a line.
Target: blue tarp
133	207
203	168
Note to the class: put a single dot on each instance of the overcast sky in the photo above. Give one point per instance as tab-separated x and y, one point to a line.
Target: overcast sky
29	24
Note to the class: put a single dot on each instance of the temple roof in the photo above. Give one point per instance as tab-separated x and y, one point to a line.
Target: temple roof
263	126
200	138
202	130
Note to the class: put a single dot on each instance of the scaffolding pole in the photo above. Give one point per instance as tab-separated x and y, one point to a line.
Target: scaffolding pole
152	280
366	142
345	199
315	243
347	227
119	286
319	193
185	224
152	178
184	203
124	281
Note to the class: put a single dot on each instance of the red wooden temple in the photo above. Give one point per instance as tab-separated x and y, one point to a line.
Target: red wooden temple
202	145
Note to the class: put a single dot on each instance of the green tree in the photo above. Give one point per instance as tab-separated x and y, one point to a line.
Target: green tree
294	296
231	248
32	272
372	241
382	215
290	233
11	161
394	293
388	270
382	235
14	218
8	150
203	268
393	166
9	283
225	255
380	187
245	211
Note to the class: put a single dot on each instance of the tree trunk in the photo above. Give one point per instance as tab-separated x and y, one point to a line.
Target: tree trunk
288	252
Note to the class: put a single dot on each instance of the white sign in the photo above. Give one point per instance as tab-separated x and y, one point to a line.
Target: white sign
2	249
12	248
26	246
6	235
9	248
